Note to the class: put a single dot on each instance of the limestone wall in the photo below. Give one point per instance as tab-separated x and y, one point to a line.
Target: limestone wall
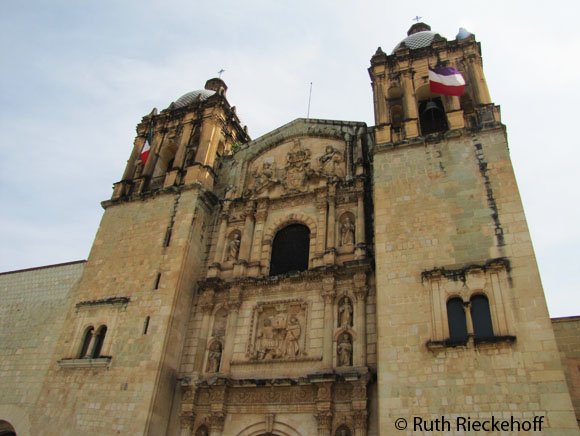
567	331
34	303
130	388
449	223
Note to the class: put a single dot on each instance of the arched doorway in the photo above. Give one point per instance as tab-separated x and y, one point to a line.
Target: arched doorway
6	429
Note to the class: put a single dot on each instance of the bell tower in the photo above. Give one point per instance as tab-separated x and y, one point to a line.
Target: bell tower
405	107
457	283
120	347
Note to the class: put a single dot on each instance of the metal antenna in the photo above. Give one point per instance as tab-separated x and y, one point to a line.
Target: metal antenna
309	97
417	18
220	72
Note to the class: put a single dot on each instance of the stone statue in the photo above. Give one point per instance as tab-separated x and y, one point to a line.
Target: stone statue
293	331
344	350
215	357
345	313
347	232
234	247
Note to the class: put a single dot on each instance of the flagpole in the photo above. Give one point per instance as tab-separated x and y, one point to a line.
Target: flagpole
309	98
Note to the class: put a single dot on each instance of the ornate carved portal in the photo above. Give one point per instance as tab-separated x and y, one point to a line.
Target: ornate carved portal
279	331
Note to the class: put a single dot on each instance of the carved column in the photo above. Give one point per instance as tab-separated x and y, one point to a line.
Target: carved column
382	115
216	423
130	168
261	215
321	208
409	102
219	249
329	257
328	293
360	322
205	305
182	148
324	408
478	80
186	416
234	304
154	153
360	226
360	422
248	234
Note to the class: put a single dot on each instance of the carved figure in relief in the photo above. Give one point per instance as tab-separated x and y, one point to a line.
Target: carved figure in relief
293	331
214	357
234	247
344	350
268	348
345	313
331	162
347	232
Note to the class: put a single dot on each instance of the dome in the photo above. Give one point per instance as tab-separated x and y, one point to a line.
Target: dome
190	97
418	36
417	40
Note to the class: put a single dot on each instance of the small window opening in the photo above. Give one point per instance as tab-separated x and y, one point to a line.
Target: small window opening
290	249
86	342
457	321
481	316
146	325
157	280
99	340
432	116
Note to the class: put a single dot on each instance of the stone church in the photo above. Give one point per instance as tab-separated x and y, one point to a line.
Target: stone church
328	278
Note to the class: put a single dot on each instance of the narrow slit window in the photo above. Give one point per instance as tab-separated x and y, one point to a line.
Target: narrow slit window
146	325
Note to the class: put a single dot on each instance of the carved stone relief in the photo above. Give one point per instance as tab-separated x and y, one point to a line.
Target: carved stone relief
296	168
332	162
278	331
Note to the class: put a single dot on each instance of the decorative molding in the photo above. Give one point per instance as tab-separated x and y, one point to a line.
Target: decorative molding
98	362
111	301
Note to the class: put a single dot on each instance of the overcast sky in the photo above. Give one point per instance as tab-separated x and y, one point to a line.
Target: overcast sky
77	76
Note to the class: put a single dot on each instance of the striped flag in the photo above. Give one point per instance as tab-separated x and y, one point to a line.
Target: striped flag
146	148
446	81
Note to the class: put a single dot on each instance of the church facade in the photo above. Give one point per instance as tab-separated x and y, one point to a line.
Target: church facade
327	278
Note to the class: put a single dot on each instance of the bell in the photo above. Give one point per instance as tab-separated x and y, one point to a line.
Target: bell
431	106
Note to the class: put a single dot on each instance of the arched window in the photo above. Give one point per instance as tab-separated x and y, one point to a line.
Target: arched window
432	116
481	316
99	340
457	322
290	249
86	342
